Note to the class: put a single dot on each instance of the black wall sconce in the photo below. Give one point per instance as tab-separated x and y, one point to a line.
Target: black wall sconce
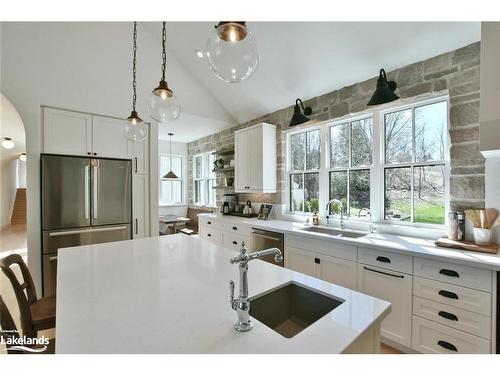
299	117
384	93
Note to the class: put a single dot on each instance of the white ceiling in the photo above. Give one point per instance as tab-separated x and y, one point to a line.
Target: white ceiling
86	65
307	59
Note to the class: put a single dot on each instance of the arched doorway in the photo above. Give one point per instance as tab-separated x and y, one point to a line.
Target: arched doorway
13	235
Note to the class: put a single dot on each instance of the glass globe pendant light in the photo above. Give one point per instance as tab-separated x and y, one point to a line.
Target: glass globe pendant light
163	105
134	129
232	51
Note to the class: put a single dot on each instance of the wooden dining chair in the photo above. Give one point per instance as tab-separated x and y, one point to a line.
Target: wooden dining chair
36	314
8	330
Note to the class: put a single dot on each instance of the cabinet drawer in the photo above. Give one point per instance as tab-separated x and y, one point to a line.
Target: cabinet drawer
430	337
233	241
384	259
332	248
210	222
470	322
211	234
457	296
467	276
237	228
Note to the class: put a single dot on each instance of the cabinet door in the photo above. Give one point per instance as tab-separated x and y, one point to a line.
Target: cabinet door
108	139
301	261
255	165
395	288
140	206
139	152
241	162
338	271
67	132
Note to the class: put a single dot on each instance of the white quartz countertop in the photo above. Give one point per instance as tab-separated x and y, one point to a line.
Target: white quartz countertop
403	244
170	294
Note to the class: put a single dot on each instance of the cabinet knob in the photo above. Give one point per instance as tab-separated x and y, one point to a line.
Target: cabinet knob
209	235
235	228
209	222
95	153
89	153
235	243
317	260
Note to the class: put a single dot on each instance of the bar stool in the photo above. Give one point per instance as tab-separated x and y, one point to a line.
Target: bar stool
36	314
9	330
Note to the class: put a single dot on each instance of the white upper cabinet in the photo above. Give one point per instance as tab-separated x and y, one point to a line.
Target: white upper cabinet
139	152
255	159
67	132
108	139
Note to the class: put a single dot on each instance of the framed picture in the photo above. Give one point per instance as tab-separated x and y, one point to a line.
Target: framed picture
265	211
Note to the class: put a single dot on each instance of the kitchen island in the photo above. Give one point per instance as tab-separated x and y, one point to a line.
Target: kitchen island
170	294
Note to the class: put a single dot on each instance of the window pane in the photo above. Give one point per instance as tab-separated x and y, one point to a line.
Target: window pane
339	146
313	150
311	190
338	190
198	167
177	166
398	194
428	194
297	145
430	131
210	166
199	191
211	192
361	142
165	192
359	194
398	137
296	192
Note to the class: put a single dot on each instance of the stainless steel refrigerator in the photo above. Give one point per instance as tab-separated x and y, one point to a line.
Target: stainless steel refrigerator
84	201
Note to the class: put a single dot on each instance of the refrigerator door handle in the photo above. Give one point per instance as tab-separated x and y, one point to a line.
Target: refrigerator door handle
94	191
70	232
87	193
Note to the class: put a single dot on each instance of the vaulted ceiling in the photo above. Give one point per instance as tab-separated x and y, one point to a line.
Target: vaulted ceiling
86	66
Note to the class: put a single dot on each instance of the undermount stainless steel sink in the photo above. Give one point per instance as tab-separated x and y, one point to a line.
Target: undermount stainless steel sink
291	308
334	232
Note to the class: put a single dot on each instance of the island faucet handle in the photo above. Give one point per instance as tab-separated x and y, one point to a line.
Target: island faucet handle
231	292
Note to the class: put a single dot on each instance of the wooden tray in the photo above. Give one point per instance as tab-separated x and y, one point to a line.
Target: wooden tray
469	246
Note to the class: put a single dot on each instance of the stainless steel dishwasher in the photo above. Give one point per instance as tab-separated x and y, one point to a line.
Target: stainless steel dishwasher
263	240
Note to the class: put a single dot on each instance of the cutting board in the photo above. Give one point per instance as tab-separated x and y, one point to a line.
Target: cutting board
469	246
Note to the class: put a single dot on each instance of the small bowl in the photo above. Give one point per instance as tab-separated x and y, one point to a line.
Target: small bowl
483	236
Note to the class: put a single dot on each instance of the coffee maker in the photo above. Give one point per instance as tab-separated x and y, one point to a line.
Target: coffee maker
229	202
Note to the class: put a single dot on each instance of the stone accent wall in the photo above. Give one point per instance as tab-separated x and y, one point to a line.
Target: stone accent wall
455	72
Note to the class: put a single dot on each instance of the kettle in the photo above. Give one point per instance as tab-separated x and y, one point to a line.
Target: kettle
248	210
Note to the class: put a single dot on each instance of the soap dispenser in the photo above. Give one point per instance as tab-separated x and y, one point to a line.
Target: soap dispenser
315	219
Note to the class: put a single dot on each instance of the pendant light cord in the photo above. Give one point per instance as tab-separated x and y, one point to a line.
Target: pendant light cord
134	85
164	53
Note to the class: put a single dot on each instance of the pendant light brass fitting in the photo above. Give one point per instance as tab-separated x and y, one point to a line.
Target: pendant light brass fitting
134	118
231	31
163	91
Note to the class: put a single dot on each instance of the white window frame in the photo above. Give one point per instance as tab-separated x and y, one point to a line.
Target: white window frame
382	165
378	161
349	168
207	176
304	171
182	178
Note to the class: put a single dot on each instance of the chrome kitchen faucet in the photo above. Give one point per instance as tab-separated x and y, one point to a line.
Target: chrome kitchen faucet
242	305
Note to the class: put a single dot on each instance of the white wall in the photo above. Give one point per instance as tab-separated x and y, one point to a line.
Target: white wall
83	66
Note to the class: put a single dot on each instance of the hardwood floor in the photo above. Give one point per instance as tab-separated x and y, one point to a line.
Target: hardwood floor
386	349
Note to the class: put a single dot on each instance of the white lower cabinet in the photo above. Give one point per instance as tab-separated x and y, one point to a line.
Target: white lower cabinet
430	337
301	261
334	270
338	271
233	241
140	206
211	234
396	288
